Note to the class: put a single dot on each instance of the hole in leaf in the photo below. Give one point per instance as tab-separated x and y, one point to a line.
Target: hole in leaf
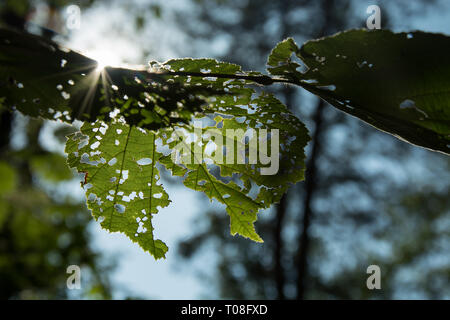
65	95
119	208
144	161
95	145
112	162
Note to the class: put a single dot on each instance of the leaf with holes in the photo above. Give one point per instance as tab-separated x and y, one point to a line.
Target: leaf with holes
246	162
121	182
397	82
280	60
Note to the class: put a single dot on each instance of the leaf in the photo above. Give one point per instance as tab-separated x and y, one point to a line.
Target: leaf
122	179
397	82
234	106
280	60
238	109
208	171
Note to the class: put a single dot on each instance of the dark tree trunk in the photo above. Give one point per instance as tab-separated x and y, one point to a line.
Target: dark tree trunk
332	20
288	93
310	188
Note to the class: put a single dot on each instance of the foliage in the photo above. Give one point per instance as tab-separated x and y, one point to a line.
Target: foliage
122	193
135	118
387	79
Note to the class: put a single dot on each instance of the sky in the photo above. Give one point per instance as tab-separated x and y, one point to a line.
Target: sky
137	273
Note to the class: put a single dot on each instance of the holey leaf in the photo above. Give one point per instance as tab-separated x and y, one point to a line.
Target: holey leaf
224	160
121	181
397	82
243	188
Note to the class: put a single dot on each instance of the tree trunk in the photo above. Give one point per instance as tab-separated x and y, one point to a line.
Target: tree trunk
332	20
310	188
288	93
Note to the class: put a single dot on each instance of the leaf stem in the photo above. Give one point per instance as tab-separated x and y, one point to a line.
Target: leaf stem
260	79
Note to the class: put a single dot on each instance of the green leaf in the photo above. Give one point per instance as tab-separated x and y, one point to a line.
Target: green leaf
280	60
233	105
397	82
238	108
241	208
232	182
122	179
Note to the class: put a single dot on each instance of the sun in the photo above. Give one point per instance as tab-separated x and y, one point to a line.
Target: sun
104	58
